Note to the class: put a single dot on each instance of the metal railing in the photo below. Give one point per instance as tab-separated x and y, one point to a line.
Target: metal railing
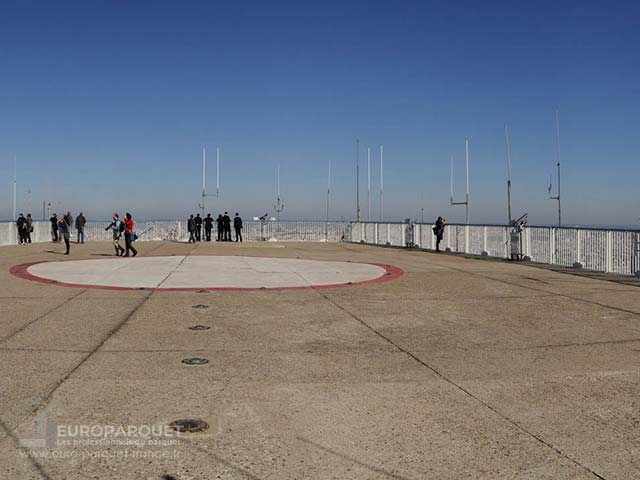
603	250
176	230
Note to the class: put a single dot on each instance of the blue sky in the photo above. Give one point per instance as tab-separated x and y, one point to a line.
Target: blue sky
107	105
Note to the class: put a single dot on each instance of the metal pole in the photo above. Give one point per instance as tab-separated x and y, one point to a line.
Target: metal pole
326	227
506	141
381	183
466	154
357	180
558	157
204	186
15	182
368	184
217	170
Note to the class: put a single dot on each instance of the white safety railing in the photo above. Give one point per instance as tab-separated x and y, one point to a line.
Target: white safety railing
176	230
603	250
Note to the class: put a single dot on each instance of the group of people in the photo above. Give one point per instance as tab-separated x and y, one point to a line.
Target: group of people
223	223
61	228
25	228
122	228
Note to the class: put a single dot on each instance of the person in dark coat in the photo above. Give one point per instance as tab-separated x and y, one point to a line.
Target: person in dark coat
208	226
438	231
198	221
220	225
54	227
237	226
29	229
65	232
81	221
191	228
226	223
21	225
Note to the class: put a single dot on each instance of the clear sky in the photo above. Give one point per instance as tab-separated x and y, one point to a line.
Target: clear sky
107	105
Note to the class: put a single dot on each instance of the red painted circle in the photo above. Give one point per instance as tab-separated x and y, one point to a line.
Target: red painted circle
391	273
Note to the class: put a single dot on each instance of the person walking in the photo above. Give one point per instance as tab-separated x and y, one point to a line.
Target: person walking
237	226
65	232
29	228
21	226
118	228
198	221
438	231
80	223
220	225
226	223
191	228
129	235
54	227
208	226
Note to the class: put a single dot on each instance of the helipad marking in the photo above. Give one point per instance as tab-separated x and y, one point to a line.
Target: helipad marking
206	273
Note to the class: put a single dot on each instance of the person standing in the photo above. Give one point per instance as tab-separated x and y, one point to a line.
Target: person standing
69	218
128	235
65	232
21	226
29	229
208	226
191	228
438	231
54	227
220	225
198	221
226	223
80	223
237	226
118	228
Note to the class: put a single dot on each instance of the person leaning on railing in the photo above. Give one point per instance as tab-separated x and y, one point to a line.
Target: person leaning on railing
438	231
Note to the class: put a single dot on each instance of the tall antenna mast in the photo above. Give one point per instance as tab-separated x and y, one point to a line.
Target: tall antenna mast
368	184
278	207
326	226
381	183
506	141
466	202
15	183
204	176
357	180
557	197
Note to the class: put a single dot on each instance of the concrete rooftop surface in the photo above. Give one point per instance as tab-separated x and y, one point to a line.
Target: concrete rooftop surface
399	365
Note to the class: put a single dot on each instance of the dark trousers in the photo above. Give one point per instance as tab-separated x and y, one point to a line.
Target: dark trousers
438	240
207	234
67	244
21	236
238	234
198	233
128	245
27	236
227	234
192	237
80	235
54	235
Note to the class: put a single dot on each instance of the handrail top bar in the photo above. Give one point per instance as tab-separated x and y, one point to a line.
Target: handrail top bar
604	229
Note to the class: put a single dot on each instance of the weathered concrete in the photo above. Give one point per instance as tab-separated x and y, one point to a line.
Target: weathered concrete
458	369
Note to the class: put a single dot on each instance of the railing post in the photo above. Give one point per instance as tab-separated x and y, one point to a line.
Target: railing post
466	239
579	246
484	239
527	238
433	238
375	233
388	233
362	232
609	252
552	246
505	236
403	236
449	238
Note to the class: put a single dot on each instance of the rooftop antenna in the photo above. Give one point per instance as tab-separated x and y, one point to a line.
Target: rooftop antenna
381	183
368	184
204	182
506	141
326	225
279	207
15	183
357	180
466	202
557	197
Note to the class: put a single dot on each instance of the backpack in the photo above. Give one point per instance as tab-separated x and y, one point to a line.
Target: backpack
121	227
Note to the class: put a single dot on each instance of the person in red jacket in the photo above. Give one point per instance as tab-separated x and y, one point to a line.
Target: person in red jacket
128	235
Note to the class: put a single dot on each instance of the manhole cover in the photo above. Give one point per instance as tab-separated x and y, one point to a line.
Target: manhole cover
200	306
189	425
195	361
199	327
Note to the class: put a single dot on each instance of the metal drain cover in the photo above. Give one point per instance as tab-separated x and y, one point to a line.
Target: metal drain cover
200	306
195	361
199	327
189	425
